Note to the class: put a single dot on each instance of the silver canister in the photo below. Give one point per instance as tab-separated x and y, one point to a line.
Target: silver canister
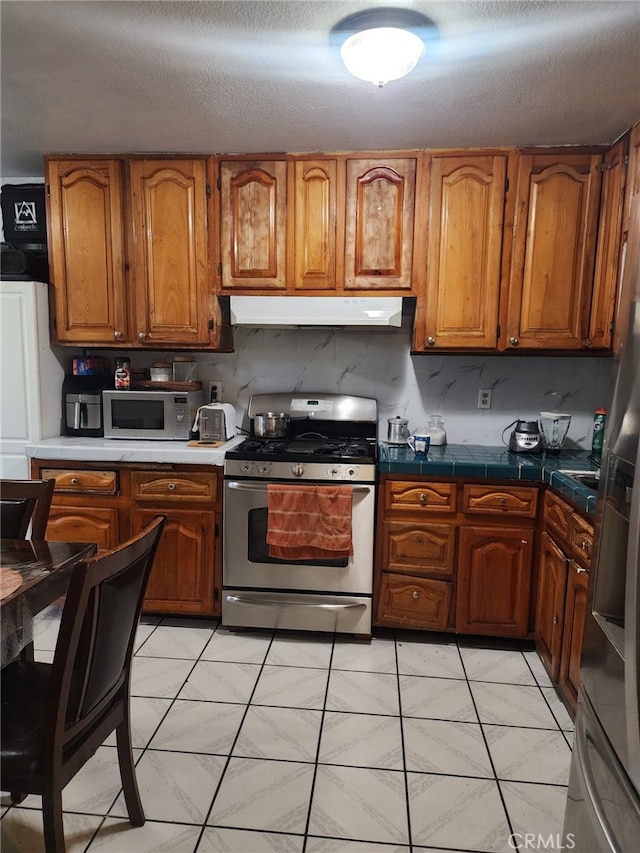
397	430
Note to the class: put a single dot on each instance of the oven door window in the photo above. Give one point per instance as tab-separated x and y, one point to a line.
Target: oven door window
137	414
258	549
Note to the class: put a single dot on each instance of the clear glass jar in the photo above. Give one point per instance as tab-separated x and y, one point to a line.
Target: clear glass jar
435	430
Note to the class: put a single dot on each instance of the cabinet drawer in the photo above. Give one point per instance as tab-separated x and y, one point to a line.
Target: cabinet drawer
84	524
414	602
418	548
581	538
407	496
87	482
557	515
174	487
500	500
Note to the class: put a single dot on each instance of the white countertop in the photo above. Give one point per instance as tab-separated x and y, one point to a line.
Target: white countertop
77	449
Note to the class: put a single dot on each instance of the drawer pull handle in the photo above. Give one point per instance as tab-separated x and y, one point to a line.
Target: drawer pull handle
171	487
416	594
554	621
502	501
74	481
420	540
585	546
580	570
423	497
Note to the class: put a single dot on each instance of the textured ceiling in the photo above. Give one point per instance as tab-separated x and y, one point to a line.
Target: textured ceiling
261	76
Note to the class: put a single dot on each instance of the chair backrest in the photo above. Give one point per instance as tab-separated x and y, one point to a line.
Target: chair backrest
24	501
92	660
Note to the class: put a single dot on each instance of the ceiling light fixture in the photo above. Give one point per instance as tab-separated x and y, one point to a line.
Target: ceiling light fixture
380	45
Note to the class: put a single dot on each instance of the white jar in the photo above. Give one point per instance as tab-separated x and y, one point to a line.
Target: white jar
435	430
160	371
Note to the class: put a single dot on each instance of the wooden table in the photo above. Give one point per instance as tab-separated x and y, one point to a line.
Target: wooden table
43	569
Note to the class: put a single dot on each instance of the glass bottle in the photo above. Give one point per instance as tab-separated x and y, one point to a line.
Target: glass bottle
435	430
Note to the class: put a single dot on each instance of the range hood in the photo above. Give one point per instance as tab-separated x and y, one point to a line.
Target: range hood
294	312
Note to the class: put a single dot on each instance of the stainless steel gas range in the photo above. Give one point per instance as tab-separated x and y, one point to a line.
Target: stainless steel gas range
316	484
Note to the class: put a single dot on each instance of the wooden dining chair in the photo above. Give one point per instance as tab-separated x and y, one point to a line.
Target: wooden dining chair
55	716
22	502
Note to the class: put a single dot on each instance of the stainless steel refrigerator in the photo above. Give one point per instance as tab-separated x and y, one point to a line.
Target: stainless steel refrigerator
603	803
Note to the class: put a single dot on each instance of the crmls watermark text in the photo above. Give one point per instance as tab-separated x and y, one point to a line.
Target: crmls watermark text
538	841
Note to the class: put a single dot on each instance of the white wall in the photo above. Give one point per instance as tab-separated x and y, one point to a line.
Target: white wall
378	364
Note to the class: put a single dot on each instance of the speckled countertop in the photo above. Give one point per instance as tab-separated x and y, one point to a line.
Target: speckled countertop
474	460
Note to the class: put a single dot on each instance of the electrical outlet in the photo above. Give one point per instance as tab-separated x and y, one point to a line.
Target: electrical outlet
484	398
214	391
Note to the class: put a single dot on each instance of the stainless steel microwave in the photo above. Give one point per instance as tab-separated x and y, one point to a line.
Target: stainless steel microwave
162	415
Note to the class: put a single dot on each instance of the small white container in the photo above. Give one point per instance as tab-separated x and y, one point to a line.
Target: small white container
160	372
435	430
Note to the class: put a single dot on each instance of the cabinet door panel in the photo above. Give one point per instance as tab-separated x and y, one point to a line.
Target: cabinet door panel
253	224
86	250
553	251
466	207
170	250
418	549
182	577
574	618
379	224
84	524
607	272
552	581
315	225
494	576
414	602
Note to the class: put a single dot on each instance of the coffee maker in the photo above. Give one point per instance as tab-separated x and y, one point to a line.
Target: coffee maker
82	404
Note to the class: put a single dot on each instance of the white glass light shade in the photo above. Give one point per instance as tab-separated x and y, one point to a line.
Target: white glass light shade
381	54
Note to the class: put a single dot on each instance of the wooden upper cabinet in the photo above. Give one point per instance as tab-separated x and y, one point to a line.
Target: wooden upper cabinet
169	199
607	270
314	204
557	200
379	227
633	173
253	224
86	250
466	211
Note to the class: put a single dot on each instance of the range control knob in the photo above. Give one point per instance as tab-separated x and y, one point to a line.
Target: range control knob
246	469
264	469
351	472
297	470
333	472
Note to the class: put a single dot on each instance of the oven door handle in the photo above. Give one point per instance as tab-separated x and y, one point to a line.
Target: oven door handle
248	487
260	602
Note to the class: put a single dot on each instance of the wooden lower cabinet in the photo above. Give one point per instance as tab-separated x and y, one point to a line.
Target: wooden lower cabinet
107	506
410	602
455	556
550	604
84	524
182	578
494	578
575	613
561	600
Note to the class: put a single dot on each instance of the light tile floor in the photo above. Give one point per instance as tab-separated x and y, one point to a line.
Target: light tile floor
260	742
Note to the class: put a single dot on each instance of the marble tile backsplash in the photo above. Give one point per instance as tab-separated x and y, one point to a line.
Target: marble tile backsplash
379	364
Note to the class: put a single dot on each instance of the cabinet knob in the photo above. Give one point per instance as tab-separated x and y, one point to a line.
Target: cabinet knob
514	341
431	341
74	481
554	621
420	540
586	546
502	501
416	594
423	497
117	334
142	336
580	570
171	487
